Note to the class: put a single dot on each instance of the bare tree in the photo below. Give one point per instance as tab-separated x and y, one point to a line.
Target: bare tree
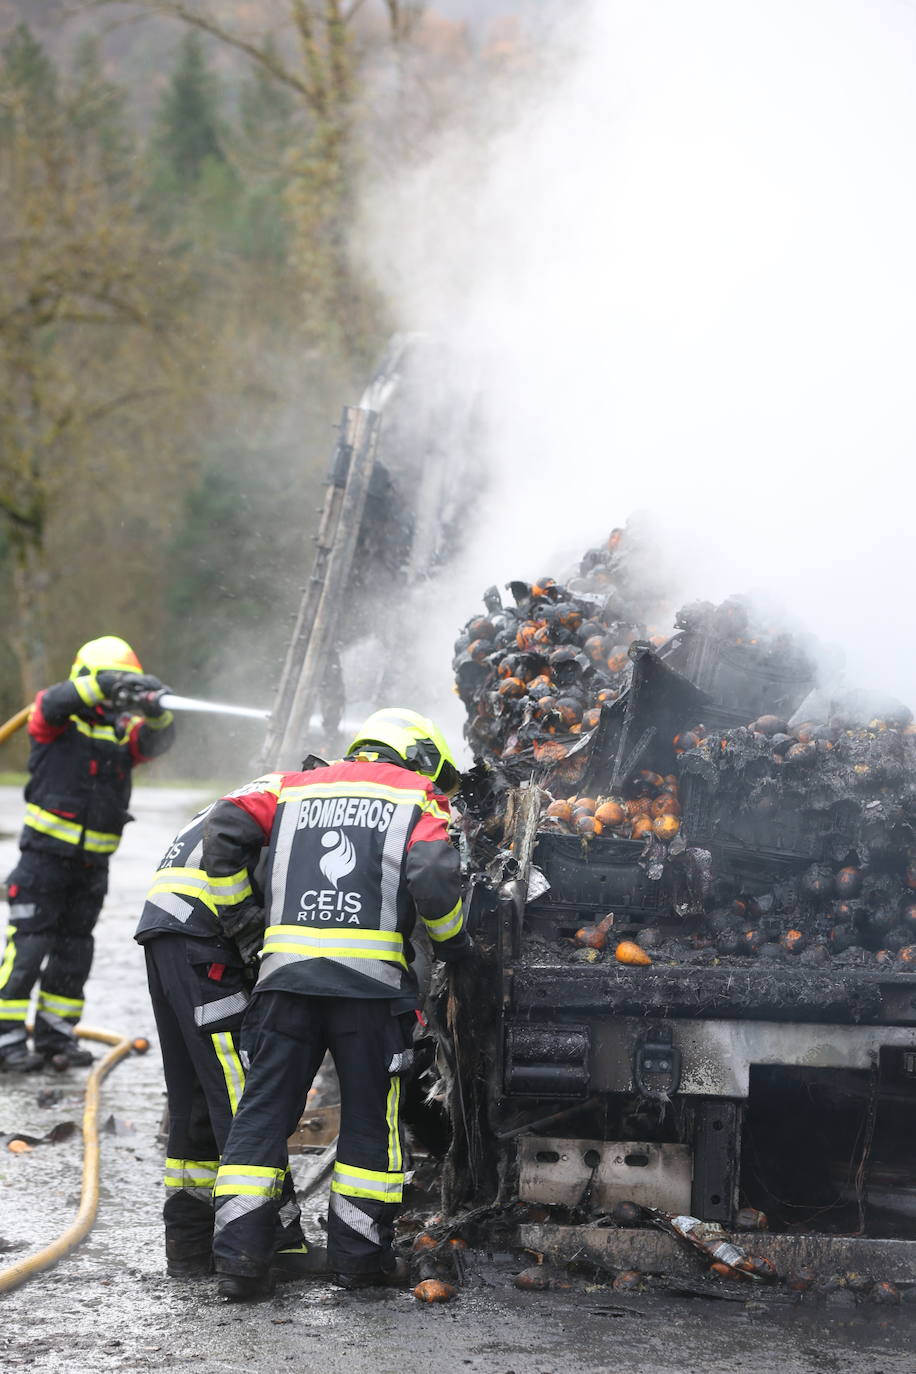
84	333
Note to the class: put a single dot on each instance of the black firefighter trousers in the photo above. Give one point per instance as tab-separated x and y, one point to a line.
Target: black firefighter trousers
199	995
285	1037
54	902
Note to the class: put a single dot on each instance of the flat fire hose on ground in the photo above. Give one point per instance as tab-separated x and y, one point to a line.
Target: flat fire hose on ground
19	1273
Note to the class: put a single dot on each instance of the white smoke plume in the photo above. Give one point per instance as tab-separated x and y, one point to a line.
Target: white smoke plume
683	269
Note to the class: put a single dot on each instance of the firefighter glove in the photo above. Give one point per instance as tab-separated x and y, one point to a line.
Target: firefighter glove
109	680
245	925
140	691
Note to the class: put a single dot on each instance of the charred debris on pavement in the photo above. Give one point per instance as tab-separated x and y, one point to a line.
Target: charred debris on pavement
692	880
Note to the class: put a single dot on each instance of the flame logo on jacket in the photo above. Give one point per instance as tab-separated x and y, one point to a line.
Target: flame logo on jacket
339	861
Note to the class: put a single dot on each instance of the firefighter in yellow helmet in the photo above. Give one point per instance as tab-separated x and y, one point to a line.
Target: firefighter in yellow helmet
355	850
85	742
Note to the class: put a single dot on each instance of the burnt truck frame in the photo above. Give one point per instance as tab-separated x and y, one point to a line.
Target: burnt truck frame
580	1085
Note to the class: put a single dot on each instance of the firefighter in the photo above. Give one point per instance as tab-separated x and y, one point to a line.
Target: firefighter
355	849
84	747
199	984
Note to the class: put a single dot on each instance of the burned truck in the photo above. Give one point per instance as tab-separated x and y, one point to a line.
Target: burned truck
695	908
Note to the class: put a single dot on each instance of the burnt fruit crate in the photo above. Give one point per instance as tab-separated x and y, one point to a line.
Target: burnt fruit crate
594	877
742	678
711	816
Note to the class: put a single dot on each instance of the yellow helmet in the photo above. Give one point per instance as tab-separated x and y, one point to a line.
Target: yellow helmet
108	652
414	739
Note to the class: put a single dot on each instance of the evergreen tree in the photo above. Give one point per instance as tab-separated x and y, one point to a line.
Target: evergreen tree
189	133
99	108
28	82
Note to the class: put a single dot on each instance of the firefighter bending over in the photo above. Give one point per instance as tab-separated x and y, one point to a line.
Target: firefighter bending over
84	747
355	849
199	986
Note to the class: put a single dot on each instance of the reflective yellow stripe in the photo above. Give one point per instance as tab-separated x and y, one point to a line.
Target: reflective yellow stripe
98	842
267	782
46	823
395	1161
232	890
63	1006
369	790
14	1009
158	722
9	957
334	943
195	883
248	1180
69	832
231	1065
88	690
171	880
371	1183
102	732
444	927
190	1173
432	808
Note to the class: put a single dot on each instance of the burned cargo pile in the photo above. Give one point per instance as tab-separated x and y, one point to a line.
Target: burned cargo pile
691	885
534	675
745	832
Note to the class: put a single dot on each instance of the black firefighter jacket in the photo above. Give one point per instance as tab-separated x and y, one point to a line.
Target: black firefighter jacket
80	763
355	850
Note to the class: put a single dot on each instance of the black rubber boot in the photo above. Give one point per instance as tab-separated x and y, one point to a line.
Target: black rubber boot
190	1266
376	1278
299	1262
20	1059
70	1056
243	1288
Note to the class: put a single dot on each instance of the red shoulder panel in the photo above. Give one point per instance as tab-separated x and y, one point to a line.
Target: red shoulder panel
39	728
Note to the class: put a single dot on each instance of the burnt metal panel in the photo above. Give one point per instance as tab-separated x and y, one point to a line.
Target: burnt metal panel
549	1059
716	1159
759	991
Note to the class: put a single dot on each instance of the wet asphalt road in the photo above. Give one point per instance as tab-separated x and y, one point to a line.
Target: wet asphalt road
109	1305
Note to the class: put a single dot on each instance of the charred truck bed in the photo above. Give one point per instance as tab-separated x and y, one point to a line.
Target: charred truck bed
696	906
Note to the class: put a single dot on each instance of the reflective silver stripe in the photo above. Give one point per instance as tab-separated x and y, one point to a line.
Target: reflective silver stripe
224	1006
392	858
193	859
289	1212
13	1037
65	1006
236	1207
21	911
57	1022
400	1062
167	878
172	905
271	962
286	833
357	1221
202	1194
229	894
